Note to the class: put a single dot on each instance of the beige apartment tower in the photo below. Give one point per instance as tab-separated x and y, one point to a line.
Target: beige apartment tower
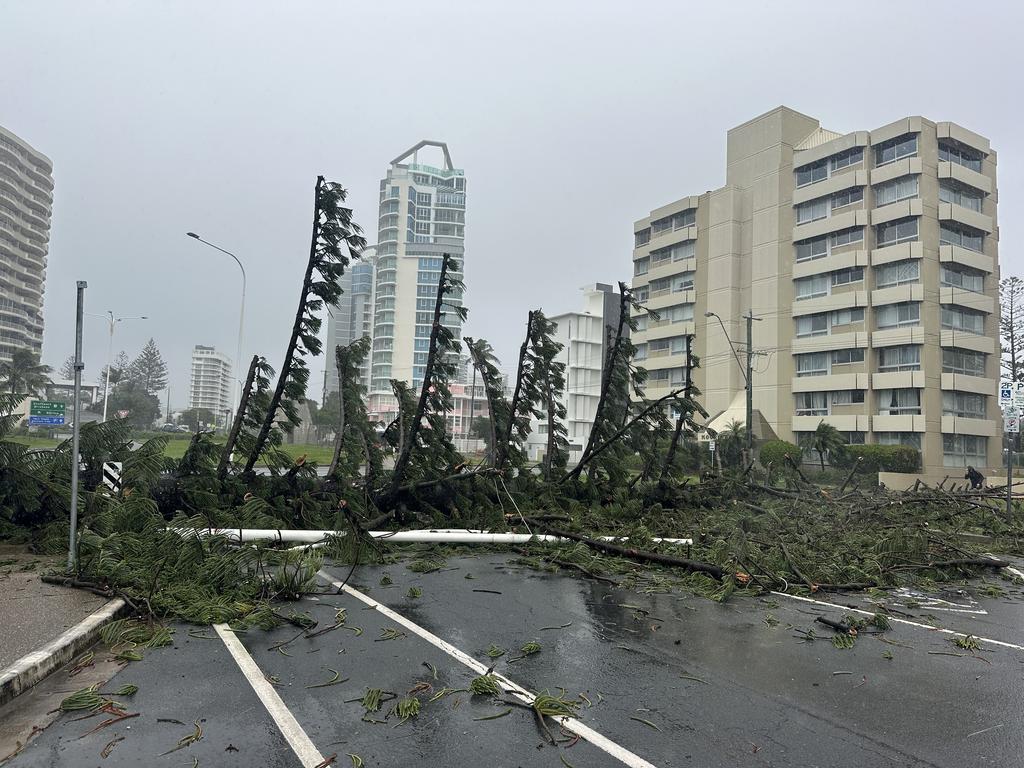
870	260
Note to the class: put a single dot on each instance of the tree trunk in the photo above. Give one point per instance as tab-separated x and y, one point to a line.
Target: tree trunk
501	451
673	446
339	438
478	367
550	451
402	462
286	368
236	425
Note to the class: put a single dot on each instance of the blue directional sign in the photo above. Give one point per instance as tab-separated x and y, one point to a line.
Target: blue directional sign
47	421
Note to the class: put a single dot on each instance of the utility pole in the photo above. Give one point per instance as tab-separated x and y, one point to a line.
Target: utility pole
76	415
750	383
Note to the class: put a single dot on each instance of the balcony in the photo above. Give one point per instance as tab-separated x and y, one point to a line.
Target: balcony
891	337
830	383
960	425
965	216
665	328
956	255
900	252
833	301
948	170
829	341
961	382
949	130
898	380
890	171
898	423
831	263
901	209
669	298
843	220
835	183
850	422
965	340
669	236
897	294
969	299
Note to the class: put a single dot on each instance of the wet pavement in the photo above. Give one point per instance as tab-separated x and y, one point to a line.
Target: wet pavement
672	680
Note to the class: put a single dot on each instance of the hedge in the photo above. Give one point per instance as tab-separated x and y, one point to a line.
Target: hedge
774	451
883	458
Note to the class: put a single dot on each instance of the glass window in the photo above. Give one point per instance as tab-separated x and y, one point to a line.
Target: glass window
806	250
684	219
897	273
964	450
847	356
896	315
847	236
642	266
853	438
640	352
960	194
641	321
847	158
964	361
682	282
957	234
955	153
811	287
812	325
847	197
845	316
678	313
808	174
899	402
910	439
961	319
846	276
812	404
812	210
847	397
897	189
967	405
895	149
642	237
902	358
812	364
962	277
641	293
894	232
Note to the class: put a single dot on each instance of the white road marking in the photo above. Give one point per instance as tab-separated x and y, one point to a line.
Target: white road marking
1018	573
603	743
901	621
297	738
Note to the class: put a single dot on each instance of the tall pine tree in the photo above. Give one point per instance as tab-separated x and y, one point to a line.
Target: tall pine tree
148	370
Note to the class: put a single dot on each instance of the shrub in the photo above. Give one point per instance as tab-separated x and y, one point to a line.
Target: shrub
883	458
774	451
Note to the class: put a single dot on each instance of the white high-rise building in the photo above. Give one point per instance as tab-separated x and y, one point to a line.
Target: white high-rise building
351	318
422	217
211	383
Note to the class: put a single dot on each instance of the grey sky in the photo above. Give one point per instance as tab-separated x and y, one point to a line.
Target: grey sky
571	119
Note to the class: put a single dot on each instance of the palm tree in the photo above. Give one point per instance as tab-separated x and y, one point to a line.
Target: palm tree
23	374
826	440
731	442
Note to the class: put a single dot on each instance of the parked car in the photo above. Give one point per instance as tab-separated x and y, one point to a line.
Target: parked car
168	428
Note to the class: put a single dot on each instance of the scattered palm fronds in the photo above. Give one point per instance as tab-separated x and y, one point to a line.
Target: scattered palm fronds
495	651
485	685
188	740
406	708
334	680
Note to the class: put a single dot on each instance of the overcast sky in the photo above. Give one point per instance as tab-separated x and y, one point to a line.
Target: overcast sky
571	120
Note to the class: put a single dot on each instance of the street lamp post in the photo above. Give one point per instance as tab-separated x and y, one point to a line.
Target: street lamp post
111	321
241	315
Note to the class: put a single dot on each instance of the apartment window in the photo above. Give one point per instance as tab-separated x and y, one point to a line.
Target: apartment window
957	234
424	317
964	361
966	405
640	352
643	237
808	174
422	228
847	158
661	225
641	321
812	404
909	439
660	285
847	197
847	356
811	287
678	314
898	315
807	250
896	149
964	450
853	438
899	402
955	153
960	194
812	210
421	345
847	397
962	277
847	276
684	219
895	232
902	358
895	190
677	252
642	266
812	364
641	293
812	325
683	282
897	273
961	319
660	257
847	316
847	236
423	198
660	345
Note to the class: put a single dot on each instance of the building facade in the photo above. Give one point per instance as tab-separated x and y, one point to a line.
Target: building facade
351	318
870	260
211	383
422	217
26	199
584	339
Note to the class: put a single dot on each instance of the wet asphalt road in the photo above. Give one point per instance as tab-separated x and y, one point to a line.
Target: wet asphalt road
718	685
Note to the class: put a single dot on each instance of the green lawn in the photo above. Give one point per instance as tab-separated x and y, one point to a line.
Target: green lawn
176	446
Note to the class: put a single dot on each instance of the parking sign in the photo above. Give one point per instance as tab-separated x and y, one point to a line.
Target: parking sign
1018	393
1011	424
1005	393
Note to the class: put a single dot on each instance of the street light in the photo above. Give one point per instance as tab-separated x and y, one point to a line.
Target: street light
112	321
241	314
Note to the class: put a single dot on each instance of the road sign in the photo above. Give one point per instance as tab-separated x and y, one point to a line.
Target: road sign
112	475
45	421
711	446
123	414
1005	393
46	408
1011	424
1018	393
1010	410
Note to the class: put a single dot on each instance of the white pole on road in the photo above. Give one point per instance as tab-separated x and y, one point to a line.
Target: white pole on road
449	536
76	412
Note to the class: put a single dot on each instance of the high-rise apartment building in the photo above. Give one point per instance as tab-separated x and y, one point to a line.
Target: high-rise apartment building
584	338
351	318
26	198
422	217
871	262
211	383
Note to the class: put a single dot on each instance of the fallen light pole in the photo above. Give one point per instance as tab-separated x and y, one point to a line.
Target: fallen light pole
76	416
435	536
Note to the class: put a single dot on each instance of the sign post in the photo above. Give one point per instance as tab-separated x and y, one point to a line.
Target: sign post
77	410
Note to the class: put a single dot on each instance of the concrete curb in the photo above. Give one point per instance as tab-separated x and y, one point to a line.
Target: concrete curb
33	667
